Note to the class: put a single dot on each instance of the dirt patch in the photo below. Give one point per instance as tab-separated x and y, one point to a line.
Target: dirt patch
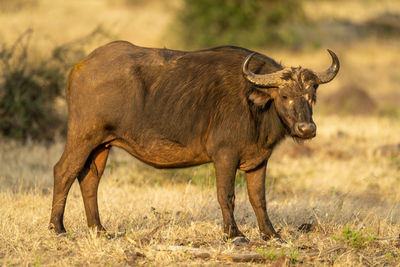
350	100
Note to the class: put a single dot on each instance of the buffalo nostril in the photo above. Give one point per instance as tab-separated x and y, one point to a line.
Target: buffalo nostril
302	127
306	129
312	127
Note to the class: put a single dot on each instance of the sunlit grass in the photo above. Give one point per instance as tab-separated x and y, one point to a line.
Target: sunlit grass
340	181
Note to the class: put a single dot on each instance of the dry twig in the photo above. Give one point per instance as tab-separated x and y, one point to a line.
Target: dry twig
239	256
203	253
323	252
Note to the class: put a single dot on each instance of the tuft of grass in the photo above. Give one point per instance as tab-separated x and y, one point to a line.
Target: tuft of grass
354	238
273	253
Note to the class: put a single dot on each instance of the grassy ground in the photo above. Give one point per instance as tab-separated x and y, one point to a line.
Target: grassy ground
343	187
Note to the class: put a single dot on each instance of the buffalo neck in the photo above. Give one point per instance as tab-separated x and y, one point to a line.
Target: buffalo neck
271	129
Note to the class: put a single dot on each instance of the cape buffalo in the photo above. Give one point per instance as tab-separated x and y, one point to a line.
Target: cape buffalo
171	109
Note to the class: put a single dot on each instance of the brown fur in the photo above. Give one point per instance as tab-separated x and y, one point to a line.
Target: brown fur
175	109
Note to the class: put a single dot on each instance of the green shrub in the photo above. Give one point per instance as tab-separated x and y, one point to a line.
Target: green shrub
247	23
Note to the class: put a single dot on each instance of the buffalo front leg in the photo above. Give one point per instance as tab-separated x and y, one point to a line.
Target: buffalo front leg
256	190
225	170
89	180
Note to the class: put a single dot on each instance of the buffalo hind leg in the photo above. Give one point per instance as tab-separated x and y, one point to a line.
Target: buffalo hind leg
225	170
256	190
65	172
89	179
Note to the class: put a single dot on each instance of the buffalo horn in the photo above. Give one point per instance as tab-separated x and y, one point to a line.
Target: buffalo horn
330	73
265	80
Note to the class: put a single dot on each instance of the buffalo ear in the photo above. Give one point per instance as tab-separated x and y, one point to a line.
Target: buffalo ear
261	97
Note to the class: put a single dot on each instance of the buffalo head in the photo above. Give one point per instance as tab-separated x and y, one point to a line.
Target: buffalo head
293	91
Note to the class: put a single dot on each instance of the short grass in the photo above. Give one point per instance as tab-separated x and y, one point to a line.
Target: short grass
342	185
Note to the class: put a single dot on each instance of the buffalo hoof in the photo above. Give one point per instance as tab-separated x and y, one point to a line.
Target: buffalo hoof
275	237
59	230
239	240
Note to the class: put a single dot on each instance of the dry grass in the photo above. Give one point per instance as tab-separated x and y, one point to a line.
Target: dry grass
339	179
345	177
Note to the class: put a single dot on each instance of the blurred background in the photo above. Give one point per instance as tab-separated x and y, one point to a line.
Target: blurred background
41	39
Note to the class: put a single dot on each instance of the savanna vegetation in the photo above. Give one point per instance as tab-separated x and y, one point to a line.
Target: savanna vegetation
334	199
